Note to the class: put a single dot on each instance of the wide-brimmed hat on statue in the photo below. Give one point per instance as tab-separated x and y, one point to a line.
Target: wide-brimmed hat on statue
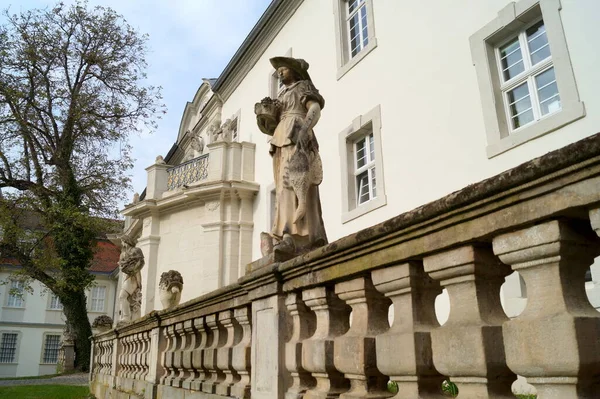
297	65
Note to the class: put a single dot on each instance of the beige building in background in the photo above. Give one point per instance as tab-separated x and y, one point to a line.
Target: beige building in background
421	99
32	324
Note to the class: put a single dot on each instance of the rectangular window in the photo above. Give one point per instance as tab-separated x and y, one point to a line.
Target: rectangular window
97	299
51	347
357	25
363	187
55	303
8	347
354	32
15	294
528	83
522	59
364	169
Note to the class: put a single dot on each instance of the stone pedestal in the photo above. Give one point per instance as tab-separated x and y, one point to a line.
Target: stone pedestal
269	375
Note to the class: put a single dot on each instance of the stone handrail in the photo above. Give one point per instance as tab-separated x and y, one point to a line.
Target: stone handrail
317	326
188	172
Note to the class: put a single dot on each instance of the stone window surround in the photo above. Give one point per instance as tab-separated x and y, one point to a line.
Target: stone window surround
344	61
360	127
44	343
511	19
16	359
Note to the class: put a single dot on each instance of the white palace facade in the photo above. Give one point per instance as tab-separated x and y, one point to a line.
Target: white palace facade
442	97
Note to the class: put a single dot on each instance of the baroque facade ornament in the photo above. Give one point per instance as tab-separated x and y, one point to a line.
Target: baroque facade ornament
169	288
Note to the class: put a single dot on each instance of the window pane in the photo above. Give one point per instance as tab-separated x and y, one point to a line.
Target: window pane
361	155
352	4
373	183
519	99
8	347
548	92
362	183
364	25
51	347
538	43
511	59
371	148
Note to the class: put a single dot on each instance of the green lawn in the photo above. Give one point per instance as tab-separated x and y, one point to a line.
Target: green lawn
45	392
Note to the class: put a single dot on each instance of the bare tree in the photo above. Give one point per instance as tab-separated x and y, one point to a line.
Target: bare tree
71	92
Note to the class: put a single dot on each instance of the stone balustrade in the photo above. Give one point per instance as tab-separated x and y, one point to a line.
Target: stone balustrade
188	172
349	318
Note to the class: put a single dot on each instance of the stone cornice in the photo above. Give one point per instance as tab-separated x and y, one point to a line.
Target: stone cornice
205	190
255	44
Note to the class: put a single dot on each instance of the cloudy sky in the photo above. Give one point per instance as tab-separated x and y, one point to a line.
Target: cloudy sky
189	40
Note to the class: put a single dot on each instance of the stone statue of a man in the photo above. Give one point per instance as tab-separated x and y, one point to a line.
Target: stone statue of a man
131	262
289	120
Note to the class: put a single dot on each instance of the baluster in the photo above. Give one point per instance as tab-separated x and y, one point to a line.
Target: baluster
145	352
215	376
303	326
404	351
468	347
138	345
179	372
190	372
554	341
198	354
241	359
167	362
233	335
355	351
123	356
317	351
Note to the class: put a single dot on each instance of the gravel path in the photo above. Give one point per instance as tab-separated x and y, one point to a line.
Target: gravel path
69	379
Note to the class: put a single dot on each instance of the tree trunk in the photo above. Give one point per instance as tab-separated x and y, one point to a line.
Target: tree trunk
78	323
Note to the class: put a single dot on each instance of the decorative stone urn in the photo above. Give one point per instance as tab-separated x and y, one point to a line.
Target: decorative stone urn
102	323
169	288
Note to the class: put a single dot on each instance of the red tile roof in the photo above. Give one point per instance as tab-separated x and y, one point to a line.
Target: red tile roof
105	258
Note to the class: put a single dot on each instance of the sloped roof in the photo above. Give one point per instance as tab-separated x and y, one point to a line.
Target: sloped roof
105	257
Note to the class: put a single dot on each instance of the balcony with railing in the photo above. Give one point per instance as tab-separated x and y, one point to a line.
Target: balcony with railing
189	172
317	326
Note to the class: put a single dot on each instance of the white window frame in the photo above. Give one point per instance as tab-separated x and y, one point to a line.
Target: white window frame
345	60
17	342
511	20
54	303
45	347
18	302
368	167
361	127
92	299
528	76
